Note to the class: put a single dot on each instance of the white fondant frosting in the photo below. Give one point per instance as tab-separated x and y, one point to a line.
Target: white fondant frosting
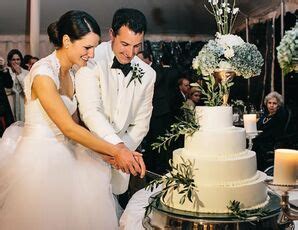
216	117
224	169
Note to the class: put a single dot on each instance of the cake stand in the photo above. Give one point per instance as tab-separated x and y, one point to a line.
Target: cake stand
289	212
164	217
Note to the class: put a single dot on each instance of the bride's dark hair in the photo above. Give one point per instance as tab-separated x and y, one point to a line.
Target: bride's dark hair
75	24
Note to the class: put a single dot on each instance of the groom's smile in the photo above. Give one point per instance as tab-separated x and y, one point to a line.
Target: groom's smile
126	44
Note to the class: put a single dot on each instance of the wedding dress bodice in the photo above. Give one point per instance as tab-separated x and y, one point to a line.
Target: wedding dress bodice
36	119
35	116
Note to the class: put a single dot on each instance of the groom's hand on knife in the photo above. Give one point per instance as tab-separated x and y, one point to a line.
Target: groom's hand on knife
126	161
139	159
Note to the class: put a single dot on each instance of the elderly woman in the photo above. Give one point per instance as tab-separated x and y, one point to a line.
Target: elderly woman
272	124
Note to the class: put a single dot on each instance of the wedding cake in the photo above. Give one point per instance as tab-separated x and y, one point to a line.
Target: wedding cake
224	170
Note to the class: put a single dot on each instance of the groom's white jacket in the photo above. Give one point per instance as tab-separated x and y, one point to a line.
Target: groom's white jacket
115	117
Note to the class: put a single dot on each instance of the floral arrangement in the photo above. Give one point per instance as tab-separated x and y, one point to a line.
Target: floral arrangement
227	51
286	50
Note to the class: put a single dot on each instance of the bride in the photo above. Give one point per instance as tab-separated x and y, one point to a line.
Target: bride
50	180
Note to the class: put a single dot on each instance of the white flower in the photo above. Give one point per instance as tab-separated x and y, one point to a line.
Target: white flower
224	14
235	10
195	62
228	40
229	53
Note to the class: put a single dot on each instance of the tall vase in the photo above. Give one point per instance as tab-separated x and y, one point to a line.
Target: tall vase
224	77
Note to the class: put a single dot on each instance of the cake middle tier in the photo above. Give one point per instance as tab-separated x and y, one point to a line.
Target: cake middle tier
213	143
226	171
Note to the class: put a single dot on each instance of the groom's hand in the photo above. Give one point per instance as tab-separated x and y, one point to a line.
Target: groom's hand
126	161
139	159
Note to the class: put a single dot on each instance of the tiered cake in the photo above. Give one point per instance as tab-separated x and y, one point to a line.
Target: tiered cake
226	170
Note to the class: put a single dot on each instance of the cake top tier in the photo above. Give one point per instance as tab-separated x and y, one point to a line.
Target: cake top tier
216	117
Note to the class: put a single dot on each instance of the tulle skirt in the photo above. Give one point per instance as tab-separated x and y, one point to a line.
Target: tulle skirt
49	183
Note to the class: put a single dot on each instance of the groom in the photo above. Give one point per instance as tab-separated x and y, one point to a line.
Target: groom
115	90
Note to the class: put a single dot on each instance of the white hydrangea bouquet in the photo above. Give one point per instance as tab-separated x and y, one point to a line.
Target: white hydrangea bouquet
227	51
287	48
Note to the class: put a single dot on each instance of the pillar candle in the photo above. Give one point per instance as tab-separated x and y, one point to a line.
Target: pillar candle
250	123
285	166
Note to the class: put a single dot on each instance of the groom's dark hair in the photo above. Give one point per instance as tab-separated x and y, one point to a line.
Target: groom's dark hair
134	19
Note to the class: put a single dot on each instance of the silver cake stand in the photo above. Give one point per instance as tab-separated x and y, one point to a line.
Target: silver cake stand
164	217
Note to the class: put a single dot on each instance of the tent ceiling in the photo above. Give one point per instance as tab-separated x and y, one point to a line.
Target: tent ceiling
164	16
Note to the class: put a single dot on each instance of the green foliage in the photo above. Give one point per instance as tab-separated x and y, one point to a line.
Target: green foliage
186	125
234	207
213	92
181	177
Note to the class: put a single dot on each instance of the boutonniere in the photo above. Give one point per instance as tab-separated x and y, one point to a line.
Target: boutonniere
137	74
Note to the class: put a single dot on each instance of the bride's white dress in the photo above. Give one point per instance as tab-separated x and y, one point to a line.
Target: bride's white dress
48	182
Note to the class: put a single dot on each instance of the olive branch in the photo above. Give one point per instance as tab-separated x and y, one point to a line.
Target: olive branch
187	124
234	207
213	92
181	176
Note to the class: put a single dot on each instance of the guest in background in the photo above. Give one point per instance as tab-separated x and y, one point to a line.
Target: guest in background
180	97
6	116
25	63
178	100
145	56
16	94
32	60
272	124
194	97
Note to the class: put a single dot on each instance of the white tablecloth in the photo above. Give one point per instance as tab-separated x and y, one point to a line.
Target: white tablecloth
132	216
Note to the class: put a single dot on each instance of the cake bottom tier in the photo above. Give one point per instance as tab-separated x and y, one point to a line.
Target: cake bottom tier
216	198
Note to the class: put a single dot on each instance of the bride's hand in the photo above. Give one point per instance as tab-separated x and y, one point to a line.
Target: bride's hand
110	160
124	158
